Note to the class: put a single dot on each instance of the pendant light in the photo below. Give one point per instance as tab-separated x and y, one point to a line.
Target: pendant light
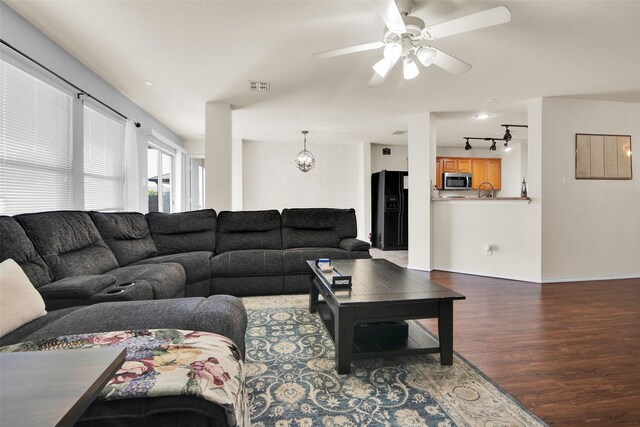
305	160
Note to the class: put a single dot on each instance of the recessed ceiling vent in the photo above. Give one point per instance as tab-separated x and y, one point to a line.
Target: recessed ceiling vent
256	86
399	132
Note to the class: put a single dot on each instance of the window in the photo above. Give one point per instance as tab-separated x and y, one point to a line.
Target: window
35	144
103	160
159	180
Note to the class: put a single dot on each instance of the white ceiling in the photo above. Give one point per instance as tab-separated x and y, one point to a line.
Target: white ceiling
199	51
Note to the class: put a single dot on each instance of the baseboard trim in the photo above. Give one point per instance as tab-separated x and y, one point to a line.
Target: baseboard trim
413	267
474	273
590	278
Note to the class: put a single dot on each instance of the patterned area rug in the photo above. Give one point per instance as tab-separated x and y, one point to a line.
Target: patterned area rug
292	380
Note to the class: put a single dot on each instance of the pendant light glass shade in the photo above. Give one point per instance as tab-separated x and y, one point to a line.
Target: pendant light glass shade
426	55
305	160
410	69
392	52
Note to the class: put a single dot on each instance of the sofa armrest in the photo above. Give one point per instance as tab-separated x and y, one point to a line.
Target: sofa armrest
351	244
87	290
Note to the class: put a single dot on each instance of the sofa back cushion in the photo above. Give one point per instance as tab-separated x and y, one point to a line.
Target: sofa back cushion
15	244
69	243
184	231
248	230
317	227
127	234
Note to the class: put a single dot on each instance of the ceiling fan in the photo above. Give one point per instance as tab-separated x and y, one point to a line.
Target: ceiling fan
407	37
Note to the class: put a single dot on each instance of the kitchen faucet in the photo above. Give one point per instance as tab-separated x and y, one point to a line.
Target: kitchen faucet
480	187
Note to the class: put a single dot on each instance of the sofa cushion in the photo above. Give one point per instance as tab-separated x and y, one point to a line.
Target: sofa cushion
127	234
167	280
20	302
69	243
221	314
351	244
317	227
184	231
295	260
196	264
21	334
248	230
15	244
250	262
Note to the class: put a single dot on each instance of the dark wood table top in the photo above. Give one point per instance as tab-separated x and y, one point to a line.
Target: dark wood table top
53	388
379	280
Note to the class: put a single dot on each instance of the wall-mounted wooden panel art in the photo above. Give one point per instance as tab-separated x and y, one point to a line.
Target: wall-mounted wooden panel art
603	156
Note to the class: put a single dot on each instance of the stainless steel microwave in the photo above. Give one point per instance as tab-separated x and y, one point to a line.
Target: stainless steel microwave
457	181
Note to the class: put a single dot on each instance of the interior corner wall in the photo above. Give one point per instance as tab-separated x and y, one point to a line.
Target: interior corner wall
422	162
218	156
271	179
18	32
364	190
398	160
590	228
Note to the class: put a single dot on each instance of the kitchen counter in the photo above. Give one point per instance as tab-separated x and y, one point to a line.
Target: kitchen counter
476	199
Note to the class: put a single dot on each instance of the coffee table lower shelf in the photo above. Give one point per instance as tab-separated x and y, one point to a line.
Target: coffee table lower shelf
418	340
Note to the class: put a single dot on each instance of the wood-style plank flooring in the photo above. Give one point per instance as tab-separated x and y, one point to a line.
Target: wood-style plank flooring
570	352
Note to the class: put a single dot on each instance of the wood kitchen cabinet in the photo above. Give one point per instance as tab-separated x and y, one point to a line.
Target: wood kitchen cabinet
482	169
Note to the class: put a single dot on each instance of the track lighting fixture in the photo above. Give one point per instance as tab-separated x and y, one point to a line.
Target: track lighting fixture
506	146
507	133
468	146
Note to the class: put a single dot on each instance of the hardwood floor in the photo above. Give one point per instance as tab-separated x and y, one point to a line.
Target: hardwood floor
568	351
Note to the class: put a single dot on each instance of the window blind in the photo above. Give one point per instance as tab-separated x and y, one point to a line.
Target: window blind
103	160
35	144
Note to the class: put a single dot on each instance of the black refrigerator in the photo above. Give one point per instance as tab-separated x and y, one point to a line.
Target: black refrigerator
389	210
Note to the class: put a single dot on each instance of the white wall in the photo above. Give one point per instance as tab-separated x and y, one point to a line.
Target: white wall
271	179
512	172
397	161
18	32
194	147
462	228
590	228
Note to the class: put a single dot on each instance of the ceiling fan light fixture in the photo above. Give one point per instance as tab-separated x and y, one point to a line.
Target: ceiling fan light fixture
426	55
410	69
383	67
392	52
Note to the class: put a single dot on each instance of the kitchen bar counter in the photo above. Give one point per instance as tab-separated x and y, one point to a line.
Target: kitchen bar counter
476	199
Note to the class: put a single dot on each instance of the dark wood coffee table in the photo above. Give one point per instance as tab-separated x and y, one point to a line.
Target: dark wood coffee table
382	292
53	388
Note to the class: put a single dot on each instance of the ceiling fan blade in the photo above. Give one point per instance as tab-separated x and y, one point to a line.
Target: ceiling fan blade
376	80
347	50
497	15
449	63
391	16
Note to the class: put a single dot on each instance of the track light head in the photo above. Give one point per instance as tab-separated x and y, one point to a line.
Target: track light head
506	146
507	134
493	145
467	146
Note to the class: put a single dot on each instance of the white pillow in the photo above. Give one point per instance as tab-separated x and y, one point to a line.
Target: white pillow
20	302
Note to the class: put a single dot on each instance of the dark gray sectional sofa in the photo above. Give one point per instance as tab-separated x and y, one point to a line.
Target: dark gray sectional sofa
79	258
100	272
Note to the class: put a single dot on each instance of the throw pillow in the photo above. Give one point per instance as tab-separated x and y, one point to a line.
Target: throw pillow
20	302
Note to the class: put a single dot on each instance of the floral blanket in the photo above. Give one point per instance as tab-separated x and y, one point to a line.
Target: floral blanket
167	362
